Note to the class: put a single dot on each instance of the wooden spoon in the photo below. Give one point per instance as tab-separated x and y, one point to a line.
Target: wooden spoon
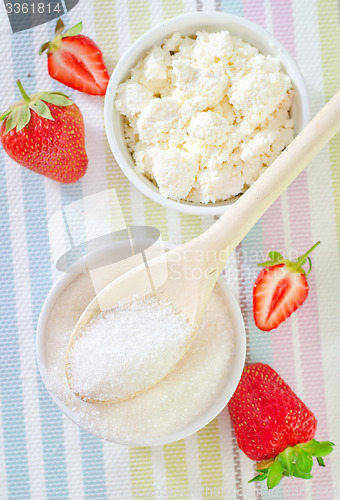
186	275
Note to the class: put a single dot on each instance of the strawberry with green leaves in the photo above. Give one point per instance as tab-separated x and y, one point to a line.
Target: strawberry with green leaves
76	61
280	288
45	133
274	427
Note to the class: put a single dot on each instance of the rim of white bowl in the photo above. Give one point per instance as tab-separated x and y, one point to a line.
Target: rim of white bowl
189	24
238	362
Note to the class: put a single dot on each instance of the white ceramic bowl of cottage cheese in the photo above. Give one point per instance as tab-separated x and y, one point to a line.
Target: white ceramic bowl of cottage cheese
170	196
186	400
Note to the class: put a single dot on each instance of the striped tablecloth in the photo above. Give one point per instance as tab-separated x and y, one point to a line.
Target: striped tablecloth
43	455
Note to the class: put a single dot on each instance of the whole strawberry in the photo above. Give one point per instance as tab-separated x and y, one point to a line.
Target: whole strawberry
44	132
273	425
280	288
76	61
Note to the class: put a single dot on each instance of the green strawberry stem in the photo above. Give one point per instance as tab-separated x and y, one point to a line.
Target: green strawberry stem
25	97
301	260
277	259
19	115
294	461
59	34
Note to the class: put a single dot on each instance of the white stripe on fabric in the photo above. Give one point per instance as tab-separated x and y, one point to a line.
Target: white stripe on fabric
156	14
208	5
159	472
193	465
117	466
73	459
189	5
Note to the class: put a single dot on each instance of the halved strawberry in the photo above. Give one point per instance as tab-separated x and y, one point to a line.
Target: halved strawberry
280	289
76	61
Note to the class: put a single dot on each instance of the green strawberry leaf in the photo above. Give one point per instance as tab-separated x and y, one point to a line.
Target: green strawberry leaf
6	113
56	99
275	256
265	264
24	118
76	30
320	461
44	47
286	460
303	475
304	462
41	109
59	27
275	474
316	448
259	477
12	120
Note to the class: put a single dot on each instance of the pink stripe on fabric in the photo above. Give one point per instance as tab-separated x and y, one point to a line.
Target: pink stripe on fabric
254	10
309	324
301	239
283	23
281	339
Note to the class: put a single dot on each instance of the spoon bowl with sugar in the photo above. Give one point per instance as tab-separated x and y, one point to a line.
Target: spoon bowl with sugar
182	279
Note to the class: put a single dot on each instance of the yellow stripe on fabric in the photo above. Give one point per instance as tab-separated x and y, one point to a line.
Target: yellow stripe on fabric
328	15
142	483
105	21
210	461
172	8
175	462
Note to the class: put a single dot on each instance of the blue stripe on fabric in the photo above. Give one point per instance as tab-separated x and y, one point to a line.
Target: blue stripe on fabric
252	254
232	7
40	281
92	456
13	420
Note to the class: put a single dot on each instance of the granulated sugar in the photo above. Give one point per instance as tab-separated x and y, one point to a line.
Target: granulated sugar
125	350
183	396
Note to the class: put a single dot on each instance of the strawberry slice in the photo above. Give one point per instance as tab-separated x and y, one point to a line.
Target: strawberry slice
280	288
76	61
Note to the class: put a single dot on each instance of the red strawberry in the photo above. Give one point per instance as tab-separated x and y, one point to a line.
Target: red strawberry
280	289
271	423
45	133
76	61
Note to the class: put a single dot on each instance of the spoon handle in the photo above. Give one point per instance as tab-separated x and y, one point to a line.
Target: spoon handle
236	222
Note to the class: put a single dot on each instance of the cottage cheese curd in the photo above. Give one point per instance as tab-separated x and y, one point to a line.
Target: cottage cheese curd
205	115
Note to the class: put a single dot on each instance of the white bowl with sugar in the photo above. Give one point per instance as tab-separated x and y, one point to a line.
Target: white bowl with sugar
186	400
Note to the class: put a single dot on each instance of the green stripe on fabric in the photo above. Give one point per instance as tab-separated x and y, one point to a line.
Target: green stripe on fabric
191	226
175	463
139	18
172	8
105	21
140	22
142	483
328	15
210	461
155	216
